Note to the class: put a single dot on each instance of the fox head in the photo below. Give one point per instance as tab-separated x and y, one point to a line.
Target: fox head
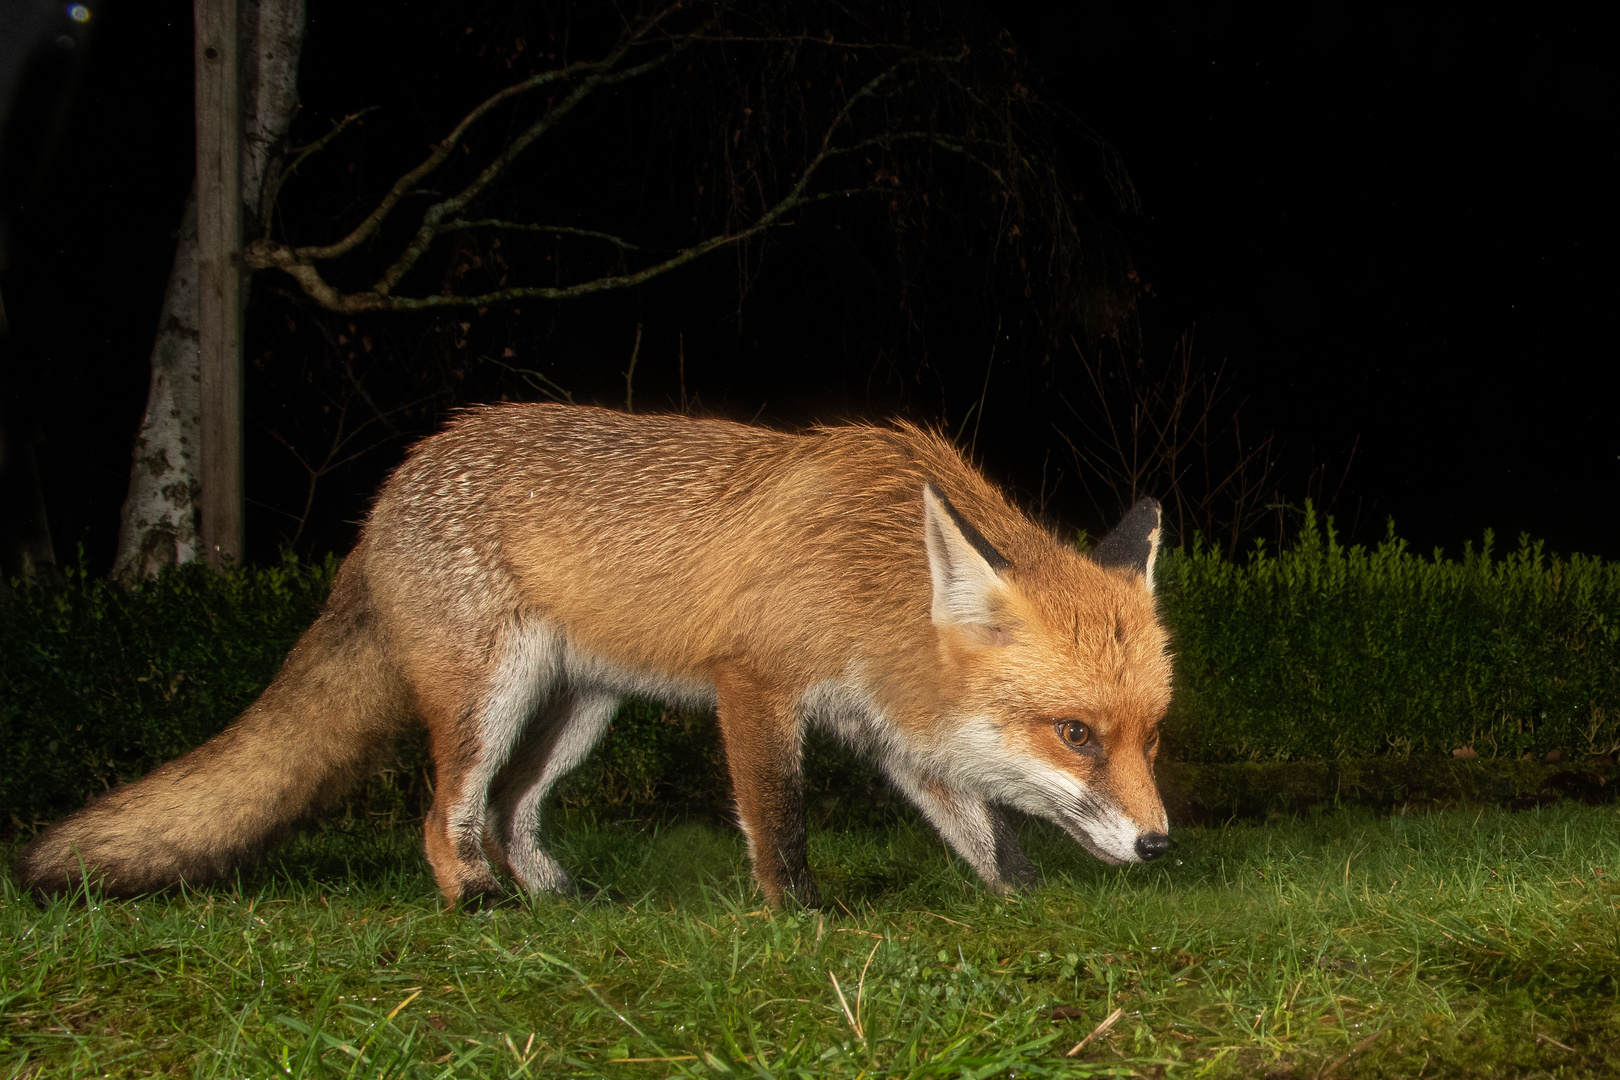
1058	674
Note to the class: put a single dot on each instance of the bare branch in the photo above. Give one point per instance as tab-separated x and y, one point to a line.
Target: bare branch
342	438
1171	432
405	184
436	213
560	230
537	379
267	201
300	262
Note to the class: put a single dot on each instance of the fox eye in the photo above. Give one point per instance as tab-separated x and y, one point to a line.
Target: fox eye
1073	732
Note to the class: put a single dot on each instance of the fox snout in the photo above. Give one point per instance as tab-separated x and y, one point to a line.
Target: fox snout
1117	834
1113	842
1150	846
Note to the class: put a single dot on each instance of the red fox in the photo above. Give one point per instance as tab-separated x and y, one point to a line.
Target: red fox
531	566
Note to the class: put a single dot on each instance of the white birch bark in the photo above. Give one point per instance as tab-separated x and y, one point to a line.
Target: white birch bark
272	37
158	528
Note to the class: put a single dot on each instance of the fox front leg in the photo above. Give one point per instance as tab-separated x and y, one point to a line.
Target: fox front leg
761	731
977	830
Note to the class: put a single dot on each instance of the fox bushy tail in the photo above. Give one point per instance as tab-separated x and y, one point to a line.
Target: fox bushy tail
335	707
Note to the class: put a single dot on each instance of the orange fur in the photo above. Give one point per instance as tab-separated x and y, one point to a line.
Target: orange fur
531	565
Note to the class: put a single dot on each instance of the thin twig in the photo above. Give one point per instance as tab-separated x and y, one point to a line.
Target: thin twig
989	366
518	226
537	379
854	1024
630	375
267	201
860	989
680	361
1100	1029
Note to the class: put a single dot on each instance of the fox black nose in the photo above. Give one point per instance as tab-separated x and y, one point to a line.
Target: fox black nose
1150	846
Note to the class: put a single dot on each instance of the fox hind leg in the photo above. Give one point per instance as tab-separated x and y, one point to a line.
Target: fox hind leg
555	744
480	722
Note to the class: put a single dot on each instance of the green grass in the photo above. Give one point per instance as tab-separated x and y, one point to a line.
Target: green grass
1463	943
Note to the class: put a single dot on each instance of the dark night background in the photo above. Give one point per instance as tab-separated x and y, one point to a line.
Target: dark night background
1395	228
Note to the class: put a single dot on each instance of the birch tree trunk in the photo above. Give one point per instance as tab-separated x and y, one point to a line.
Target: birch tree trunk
159	526
273	36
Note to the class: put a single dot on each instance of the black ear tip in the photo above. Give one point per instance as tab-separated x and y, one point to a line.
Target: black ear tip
1132	542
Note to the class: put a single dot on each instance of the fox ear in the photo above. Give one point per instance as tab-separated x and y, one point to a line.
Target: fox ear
1134	542
964	565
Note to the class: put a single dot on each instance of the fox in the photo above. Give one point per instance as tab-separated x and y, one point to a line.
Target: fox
531	566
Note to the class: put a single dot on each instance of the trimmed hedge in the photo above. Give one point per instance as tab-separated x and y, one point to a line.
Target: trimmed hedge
1322	651
1211	793
1345	657
100	684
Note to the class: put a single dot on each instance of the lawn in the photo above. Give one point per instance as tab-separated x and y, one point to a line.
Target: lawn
1467	942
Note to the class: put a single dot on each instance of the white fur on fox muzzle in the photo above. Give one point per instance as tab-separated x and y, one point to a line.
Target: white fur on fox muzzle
1035	787
1110	836
1101	827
